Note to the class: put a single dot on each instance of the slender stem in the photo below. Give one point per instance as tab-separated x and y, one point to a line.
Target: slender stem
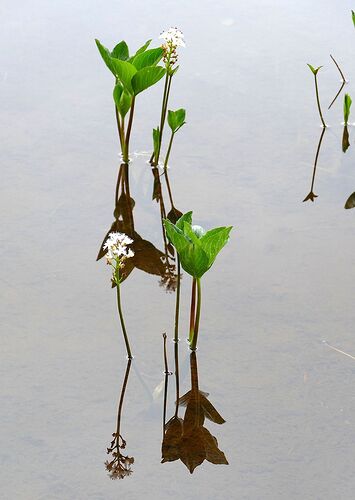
168	151
119	412
128	133
340	71
192	309
119	307
169	188
166	371
177	305
120	129
316	159
318	103
198	312
337	95
163	113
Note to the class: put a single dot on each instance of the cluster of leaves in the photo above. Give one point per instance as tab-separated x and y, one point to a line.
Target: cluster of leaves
133	74
197	249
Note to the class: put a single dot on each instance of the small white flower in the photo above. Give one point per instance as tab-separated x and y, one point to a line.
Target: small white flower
173	36
116	246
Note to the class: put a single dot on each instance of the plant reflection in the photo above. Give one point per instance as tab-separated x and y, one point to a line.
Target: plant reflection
311	196
146	257
187	438
119	465
350	202
345	140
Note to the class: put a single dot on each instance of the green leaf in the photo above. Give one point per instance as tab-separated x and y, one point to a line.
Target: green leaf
314	70
156	137
176	236
214	240
176	119
146	77
148	58
123	99
197	250
347	106
184	218
353	16
124	71
143	48
121	51
106	56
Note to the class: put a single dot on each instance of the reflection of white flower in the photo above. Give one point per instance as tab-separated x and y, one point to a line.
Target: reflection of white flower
174	37
116	246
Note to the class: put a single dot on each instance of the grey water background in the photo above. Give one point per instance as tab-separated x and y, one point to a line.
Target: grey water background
283	285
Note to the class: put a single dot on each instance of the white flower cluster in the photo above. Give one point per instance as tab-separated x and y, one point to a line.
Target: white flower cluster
117	247
174	37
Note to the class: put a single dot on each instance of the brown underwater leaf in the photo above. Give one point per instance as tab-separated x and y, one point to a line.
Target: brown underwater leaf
172	436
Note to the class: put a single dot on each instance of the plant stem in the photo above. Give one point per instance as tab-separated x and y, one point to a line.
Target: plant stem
168	151
119	307
177	306
192	309
119	411
198	313
318	103
163	114
128	133
120	130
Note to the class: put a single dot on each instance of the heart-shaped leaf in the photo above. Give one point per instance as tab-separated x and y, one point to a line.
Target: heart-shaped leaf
314	70
106	56
147	58
176	119
197	250
143	48
146	77
121	51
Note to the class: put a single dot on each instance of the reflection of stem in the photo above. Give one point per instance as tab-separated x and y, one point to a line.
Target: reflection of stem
316	158
169	188
318	103
166	371
119	412
198	313
311	194
119	307
128	196
192	309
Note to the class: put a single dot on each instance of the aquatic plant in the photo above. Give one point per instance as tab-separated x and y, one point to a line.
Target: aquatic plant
347	106
315	72
173	38
118	250
133	75
353	17
197	250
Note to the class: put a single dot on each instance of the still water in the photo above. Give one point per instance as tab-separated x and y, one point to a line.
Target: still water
279	296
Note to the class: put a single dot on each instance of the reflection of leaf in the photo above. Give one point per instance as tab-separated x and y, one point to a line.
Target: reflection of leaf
174	215
345	141
207	408
350	202
213	453
148	258
172	436
192	449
